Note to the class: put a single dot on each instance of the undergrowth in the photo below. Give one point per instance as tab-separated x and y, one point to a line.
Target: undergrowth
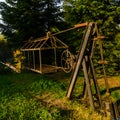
30	96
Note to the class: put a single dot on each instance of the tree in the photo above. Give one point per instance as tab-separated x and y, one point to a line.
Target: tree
107	15
28	18
2	38
5	52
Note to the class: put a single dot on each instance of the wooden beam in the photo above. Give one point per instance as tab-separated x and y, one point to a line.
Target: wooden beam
40	61
87	81
33	59
95	82
79	59
44	48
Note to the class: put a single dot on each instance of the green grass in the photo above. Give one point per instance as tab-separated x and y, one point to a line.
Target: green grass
18	96
31	96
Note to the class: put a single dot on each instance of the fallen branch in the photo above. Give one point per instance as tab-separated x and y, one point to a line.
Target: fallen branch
10	66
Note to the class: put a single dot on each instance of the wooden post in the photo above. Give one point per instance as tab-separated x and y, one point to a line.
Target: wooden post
79	60
87	81
40	59
23	52
92	70
55	53
55	57
28	58
33	59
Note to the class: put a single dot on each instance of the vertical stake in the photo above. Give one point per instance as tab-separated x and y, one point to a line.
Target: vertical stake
87	80
40	61
33	59
95	81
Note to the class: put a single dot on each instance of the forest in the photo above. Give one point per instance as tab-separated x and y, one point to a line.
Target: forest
35	18
33	94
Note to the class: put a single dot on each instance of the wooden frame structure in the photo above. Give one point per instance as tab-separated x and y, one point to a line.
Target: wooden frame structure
34	48
41	53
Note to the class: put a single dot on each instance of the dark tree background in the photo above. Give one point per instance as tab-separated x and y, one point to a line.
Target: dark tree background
23	19
28	18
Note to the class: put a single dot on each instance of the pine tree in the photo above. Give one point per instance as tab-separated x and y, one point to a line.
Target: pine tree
28	18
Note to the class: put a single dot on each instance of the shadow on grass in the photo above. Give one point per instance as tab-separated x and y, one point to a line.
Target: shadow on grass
111	90
66	114
63	111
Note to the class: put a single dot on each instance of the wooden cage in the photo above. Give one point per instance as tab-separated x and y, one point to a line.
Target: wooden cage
43	54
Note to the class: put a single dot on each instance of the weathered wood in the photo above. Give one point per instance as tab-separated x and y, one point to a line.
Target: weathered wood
95	82
40	61
10	66
45	68
33	59
42	44
43	48
87	81
79	60
28	58
103	62
99	38
81	25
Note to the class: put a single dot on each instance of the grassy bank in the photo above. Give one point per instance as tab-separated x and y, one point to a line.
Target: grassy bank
31	96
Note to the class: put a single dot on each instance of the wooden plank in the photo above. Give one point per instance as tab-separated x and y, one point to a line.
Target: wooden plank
45	68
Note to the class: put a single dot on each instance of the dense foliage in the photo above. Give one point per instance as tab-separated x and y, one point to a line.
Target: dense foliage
4	49
23	19
28	18
107	15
